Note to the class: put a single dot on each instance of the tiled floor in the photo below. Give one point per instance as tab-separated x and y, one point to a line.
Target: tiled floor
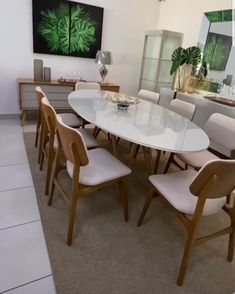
24	262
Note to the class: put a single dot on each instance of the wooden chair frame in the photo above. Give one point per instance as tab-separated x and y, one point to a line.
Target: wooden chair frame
41	137
50	118
191	225
75	153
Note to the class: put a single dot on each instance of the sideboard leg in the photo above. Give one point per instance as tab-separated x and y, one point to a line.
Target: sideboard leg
23	117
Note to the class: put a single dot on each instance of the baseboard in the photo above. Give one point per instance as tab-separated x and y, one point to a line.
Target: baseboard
10	116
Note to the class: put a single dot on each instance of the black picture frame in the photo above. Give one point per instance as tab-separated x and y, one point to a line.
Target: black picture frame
66	28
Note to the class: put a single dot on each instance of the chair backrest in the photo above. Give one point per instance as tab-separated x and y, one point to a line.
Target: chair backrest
221	131
165	96
50	115
149	96
40	94
72	143
87	85
222	174
183	108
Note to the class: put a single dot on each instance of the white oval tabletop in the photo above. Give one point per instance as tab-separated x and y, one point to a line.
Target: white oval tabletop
143	123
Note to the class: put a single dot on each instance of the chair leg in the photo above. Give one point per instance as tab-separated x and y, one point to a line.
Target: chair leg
148	159
137	148
72	216
51	155
157	161
37	129
231	243
186	257
169	161
57	167
122	188
146	206
41	138
97	131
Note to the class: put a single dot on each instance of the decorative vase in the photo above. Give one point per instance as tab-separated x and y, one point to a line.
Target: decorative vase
182	73
38	69
47	74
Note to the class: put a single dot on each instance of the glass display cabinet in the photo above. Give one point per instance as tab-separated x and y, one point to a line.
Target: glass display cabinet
156	62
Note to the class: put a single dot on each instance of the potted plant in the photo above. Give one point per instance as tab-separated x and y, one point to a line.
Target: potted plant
183	61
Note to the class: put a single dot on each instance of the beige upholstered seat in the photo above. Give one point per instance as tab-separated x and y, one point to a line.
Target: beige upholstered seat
197	194
149	96
197	159
89	140
221	131
50	148
102	167
90	170
175	188
71	120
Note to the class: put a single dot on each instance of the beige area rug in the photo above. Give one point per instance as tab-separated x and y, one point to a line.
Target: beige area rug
114	257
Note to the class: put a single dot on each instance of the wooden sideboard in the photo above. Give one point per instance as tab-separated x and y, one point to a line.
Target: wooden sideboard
57	93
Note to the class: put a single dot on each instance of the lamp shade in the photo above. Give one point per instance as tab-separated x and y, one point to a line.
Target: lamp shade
103	57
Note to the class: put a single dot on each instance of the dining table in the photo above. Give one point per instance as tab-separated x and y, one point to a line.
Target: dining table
142	122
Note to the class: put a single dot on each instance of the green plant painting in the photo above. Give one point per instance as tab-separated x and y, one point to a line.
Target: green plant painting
217	50
67	28
219	16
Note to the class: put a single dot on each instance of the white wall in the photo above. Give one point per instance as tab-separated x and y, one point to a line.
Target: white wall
124	26
185	16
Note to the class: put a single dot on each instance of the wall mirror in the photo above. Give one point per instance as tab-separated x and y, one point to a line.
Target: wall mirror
215	41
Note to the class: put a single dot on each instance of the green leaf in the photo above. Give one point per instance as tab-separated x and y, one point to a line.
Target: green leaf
65	33
177	59
192	55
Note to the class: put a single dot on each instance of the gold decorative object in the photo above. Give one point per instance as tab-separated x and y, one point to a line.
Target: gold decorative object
193	83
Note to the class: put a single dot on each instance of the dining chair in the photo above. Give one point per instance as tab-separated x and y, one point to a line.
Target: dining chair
90	170
165	96
50	148
183	108
147	96
193	194
40	137
221	131
89	86
41	129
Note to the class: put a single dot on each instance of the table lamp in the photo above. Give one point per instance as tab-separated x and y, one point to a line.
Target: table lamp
103	57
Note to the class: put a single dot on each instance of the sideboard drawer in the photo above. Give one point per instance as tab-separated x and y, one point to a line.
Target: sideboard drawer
56	92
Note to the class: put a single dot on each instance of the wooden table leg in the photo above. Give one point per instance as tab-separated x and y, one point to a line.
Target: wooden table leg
113	142
148	159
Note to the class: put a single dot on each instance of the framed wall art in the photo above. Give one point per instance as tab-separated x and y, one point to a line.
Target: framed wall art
63	27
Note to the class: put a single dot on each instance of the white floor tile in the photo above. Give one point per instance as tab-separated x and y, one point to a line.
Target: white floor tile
23	255
12	150
43	286
18	207
15	176
10	126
